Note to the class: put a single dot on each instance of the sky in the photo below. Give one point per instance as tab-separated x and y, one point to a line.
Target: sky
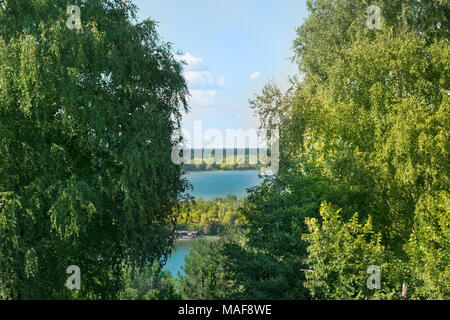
232	47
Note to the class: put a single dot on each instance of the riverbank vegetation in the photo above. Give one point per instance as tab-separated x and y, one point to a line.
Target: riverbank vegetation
210	217
202	166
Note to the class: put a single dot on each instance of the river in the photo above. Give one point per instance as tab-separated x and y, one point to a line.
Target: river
210	184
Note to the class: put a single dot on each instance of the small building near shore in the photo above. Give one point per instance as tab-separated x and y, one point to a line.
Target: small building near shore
186	234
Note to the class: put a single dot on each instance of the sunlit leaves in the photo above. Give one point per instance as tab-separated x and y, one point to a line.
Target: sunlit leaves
86	119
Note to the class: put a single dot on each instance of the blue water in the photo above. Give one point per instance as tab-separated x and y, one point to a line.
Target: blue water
208	185
176	259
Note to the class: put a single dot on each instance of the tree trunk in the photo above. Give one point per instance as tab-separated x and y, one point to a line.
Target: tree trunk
405	291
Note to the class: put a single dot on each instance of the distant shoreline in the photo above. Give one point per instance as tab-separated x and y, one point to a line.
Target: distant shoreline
237	159
203	237
204	167
222	170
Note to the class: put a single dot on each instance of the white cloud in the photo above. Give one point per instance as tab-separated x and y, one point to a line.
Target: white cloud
198	77
203	97
197	74
192	61
255	75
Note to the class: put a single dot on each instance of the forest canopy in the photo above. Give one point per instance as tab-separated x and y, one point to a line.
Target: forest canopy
86	121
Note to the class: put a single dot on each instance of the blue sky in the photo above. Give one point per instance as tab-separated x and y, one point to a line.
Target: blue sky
233	48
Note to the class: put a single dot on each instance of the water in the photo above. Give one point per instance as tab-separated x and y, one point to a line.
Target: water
176	259
208	185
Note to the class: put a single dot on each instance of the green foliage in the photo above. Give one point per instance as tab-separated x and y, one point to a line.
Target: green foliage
366	129
429	248
150	283
86	120
217	166
86	123
333	26
205	275
339	254
266	265
210	217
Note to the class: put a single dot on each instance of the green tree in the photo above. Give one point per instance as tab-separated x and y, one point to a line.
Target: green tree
339	254
210	217
204	269
366	129
86	123
267	263
429	249
149	283
333	25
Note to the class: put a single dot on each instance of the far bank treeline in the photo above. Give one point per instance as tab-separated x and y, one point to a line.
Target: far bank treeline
231	159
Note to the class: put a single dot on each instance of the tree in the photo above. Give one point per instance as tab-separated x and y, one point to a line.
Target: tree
339	254
267	263
428	248
333	25
205	275
210	217
149	283
86	123
366	129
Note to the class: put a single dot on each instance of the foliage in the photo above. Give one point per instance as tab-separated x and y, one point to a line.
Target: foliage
150	283
339	254
86	120
239	161
205	275
210	217
365	129
429	246
196	166
266	265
